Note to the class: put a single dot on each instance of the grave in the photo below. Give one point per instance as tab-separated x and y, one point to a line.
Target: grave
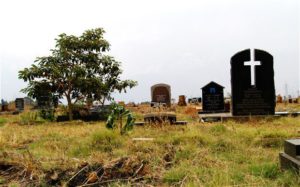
195	100
181	100
252	83
160	97
213	98
279	99
44	97
4	105
19	103
290	158
161	93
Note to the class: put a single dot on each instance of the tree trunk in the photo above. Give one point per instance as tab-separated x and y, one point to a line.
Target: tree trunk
70	108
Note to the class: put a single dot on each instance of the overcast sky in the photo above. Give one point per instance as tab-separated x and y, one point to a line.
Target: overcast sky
182	43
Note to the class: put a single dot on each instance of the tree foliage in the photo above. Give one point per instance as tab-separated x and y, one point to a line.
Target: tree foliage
77	69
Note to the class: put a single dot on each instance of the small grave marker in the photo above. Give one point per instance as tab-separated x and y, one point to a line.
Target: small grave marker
19	103
213	98
181	100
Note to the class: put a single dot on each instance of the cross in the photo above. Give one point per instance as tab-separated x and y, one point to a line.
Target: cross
252	63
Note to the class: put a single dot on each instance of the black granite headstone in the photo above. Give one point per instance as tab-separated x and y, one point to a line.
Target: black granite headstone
252	83
19	103
290	158
213	98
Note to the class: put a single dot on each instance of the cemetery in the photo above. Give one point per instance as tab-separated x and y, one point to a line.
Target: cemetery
166	136
196	93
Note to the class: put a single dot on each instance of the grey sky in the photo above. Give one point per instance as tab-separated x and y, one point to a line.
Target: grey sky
182	43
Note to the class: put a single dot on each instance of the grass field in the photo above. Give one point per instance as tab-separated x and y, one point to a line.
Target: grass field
199	154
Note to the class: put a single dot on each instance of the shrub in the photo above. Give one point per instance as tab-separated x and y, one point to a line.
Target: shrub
28	118
47	114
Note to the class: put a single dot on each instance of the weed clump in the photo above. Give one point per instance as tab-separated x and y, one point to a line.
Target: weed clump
269	170
106	141
271	139
218	129
222	145
2	121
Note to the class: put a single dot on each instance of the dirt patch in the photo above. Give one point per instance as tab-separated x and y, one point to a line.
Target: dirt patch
125	169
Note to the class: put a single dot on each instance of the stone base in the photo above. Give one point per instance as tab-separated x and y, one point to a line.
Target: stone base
208	117
160	117
288	162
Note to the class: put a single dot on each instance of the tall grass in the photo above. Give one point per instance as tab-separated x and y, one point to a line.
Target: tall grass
210	154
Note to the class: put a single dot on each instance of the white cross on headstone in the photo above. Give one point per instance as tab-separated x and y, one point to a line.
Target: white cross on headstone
252	63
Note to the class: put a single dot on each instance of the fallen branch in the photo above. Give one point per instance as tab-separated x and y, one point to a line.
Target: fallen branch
77	173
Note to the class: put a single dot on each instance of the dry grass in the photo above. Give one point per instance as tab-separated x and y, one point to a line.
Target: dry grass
210	154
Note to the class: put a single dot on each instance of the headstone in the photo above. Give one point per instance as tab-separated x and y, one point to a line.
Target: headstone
290	99
161	93
195	100
45	98
213	98
227	106
19	103
4	105
279	99
290	158
252	83
181	100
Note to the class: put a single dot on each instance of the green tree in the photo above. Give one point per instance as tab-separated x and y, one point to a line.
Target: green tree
77	69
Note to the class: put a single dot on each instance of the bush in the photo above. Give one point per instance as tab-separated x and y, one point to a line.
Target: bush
47	114
28	118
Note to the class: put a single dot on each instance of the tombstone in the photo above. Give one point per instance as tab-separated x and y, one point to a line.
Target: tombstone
161	93
4	105
279	99
45	99
227	106
212	98
181	100
195	100
290	158
252	83
295	100
19	103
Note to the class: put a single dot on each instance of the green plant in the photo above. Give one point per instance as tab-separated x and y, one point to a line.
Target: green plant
28	118
117	115
47	114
